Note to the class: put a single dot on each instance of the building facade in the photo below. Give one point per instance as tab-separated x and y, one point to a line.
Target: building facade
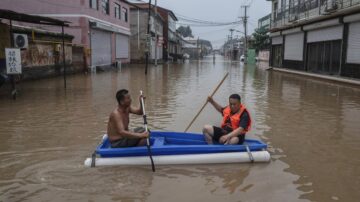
42	56
102	27
317	36
139	42
172	44
264	22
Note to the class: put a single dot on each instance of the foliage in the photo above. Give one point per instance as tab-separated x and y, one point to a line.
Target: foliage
185	31
262	39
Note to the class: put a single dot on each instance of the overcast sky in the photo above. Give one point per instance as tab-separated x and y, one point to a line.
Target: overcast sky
218	11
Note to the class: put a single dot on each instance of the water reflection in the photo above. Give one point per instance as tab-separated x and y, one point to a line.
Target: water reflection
315	149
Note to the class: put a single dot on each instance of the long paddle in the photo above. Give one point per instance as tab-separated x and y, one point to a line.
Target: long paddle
146	129
217	87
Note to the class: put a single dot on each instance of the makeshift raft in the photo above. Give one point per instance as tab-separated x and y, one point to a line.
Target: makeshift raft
174	148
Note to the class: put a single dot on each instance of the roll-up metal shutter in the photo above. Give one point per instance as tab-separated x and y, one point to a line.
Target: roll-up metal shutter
122	46
277	40
153	44
294	45
326	34
159	50
353	48
100	48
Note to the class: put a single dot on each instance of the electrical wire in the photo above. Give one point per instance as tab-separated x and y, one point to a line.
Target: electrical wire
218	30
185	20
207	25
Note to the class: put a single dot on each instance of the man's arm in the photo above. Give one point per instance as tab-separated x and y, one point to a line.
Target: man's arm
218	107
120	129
244	121
137	110
236	132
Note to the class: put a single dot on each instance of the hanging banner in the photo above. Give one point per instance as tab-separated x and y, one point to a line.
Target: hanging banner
13	61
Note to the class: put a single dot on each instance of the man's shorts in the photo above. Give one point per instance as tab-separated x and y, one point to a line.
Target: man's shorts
128	142
218	132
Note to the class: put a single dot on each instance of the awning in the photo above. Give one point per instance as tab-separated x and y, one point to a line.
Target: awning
99	25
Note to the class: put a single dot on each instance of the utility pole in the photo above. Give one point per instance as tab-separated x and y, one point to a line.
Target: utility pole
156	39
228	46
197	47
231	44
148	39
245	17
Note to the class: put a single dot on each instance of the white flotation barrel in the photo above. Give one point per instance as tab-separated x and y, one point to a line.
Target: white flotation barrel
213	158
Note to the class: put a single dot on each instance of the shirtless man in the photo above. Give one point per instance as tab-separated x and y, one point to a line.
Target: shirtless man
118	125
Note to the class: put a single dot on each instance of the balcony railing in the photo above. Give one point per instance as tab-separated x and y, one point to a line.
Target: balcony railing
306	9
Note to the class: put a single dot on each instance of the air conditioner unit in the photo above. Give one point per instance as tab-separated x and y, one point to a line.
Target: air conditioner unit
20	40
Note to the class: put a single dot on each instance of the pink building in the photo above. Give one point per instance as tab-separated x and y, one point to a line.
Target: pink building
101	26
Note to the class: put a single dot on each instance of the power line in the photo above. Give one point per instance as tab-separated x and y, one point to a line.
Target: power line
212	31
193	19
189	20
203	22
209	25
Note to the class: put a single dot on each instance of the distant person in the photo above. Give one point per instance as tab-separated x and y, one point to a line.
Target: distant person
118	125
236	122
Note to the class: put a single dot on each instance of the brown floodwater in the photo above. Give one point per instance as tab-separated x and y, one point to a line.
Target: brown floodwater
312	128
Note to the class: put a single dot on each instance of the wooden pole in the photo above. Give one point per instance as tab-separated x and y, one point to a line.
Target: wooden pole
217	87
146	129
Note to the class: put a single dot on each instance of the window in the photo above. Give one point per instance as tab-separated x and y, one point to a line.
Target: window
117	11
275	10
93	4
125	13
105	6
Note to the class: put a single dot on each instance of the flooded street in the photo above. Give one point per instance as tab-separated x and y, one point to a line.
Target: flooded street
312	128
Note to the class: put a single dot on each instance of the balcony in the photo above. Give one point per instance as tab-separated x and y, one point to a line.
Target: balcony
303	10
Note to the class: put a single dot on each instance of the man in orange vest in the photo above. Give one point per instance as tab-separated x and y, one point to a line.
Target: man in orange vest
236	122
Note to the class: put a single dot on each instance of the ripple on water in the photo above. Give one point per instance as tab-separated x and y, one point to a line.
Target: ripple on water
310	126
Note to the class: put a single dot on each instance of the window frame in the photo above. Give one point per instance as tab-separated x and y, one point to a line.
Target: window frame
105	7
117	10
125	11
91	4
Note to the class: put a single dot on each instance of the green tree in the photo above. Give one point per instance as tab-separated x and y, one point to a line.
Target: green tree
205	42
206	46
262	39
185	31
